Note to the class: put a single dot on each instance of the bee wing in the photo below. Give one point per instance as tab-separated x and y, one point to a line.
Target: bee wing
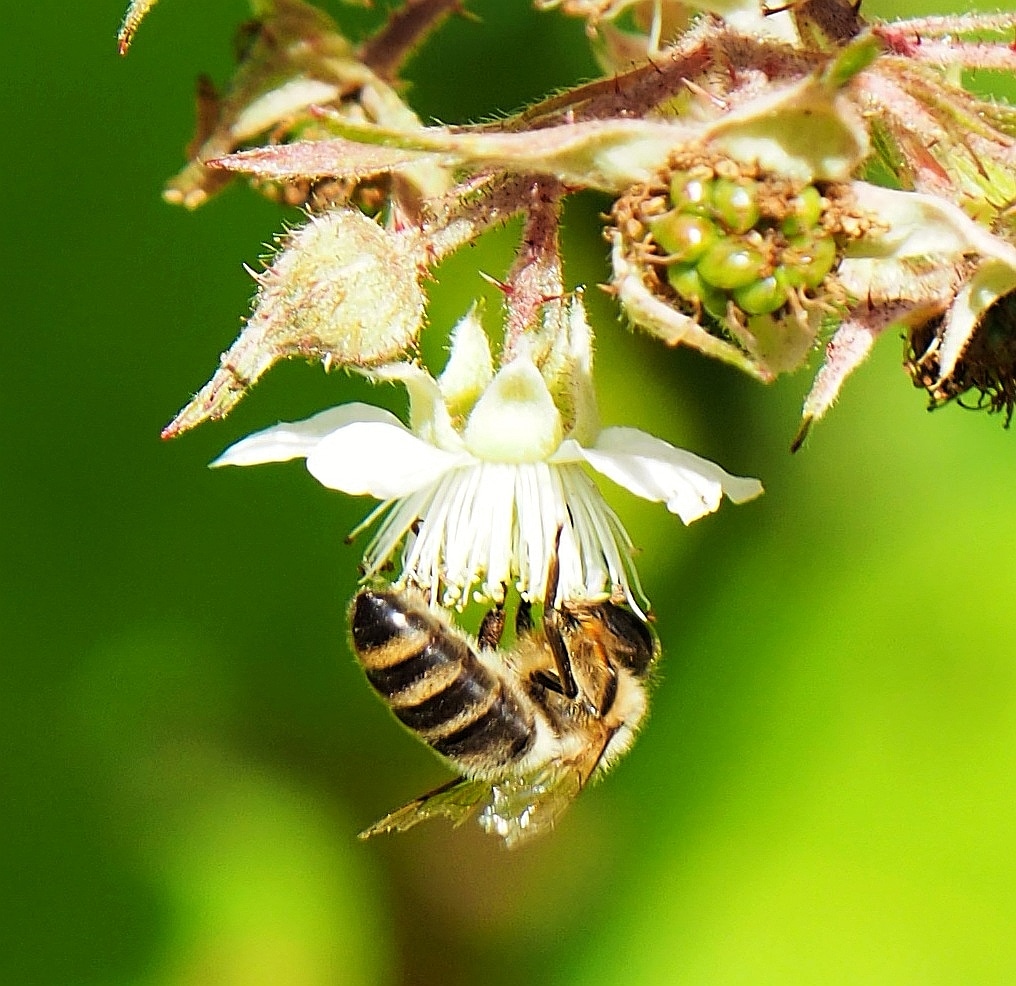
523	807
456	800
515	809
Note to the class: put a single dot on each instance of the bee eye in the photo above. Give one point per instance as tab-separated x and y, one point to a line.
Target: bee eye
640	647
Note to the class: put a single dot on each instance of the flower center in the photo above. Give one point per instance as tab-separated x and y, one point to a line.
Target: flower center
516	419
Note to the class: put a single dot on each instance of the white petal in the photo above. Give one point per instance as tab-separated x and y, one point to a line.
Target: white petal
651	468
750	18
918	225
380	459
297	439
428	415
277	104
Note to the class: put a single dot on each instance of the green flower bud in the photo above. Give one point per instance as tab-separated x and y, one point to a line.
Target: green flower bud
734	203
761	297
683	236
730	264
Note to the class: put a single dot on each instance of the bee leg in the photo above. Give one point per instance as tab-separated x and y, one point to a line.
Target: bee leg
552	625
553	574
491	628
609	694
548	681
599	756
558	650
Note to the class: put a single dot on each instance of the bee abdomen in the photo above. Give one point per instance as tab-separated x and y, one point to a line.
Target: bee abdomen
435	684
500	733
406	652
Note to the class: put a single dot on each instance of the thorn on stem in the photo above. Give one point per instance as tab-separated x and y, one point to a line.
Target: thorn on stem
802	434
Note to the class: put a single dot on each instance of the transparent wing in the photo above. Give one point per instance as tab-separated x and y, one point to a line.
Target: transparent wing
456	800
515	809
520	808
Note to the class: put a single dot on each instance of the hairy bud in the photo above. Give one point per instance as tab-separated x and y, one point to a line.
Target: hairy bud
342	289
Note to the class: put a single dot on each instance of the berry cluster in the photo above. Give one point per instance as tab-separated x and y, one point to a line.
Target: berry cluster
739	246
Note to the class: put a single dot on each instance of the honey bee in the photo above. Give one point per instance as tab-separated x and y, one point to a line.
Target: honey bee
526	726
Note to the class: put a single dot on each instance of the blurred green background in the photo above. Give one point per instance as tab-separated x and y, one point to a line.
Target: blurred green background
824	793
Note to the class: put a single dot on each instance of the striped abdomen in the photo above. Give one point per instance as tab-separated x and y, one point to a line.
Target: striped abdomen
436	685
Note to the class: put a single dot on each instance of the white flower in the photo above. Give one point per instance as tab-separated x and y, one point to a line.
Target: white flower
480	482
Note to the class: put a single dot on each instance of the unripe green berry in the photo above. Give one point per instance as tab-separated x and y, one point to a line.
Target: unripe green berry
788	277
811	259
761	297
730	264
690	193
684	237
686	282
734	203
806	211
